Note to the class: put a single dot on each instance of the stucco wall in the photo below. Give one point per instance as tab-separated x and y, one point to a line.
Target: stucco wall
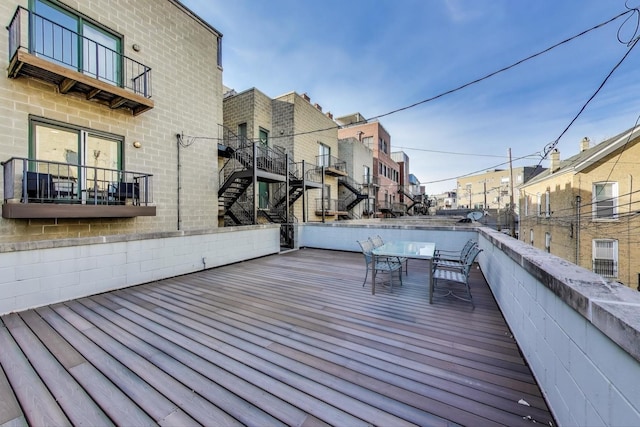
45	272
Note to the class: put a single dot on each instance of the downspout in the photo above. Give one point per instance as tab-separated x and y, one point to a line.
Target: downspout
322	195
629	230
304	192
178	137
578	200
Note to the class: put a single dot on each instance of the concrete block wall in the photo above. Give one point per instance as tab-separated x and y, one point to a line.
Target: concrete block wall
46	272
187	91
579	333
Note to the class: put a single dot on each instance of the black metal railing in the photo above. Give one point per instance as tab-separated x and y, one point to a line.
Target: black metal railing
370	180
331	162
39	181
60	45
326	205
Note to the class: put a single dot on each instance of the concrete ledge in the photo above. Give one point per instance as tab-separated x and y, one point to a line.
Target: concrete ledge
116	238
611	307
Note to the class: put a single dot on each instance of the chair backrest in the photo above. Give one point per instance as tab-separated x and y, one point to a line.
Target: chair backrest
376	241
466	250
471	258
366	247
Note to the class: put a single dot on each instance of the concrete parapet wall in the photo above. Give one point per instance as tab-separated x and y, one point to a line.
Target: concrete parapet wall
579	333
38	273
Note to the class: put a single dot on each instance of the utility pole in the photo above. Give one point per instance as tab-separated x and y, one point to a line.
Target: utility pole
512	215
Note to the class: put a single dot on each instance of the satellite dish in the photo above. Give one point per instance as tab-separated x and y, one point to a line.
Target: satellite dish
475	215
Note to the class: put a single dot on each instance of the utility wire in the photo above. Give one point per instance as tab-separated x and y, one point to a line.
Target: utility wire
456	89
508	67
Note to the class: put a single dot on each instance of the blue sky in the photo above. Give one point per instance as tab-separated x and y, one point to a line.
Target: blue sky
374	57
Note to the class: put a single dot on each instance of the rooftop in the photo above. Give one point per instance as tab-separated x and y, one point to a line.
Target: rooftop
283	339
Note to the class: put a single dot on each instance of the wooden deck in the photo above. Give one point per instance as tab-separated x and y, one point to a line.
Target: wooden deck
291	339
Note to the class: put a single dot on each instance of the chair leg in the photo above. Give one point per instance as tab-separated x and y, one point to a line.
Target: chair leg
365	276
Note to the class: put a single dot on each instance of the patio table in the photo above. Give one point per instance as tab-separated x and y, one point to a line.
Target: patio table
407	249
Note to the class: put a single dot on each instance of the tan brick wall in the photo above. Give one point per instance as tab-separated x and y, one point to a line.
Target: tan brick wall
187	92
571	234
293	115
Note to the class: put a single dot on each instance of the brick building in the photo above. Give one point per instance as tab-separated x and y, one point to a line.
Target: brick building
287	125
584	209
386	172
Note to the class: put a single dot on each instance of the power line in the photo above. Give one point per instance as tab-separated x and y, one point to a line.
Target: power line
508	67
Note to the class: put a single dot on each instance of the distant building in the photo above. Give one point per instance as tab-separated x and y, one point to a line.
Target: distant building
491	190
386	172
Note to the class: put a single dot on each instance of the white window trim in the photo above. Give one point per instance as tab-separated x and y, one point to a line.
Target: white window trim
615	255
614	198
547	204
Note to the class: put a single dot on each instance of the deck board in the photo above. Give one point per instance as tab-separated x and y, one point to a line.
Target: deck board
290	339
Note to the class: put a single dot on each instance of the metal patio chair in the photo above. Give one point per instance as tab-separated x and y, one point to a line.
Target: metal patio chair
454	259
377	242
442	274
380	264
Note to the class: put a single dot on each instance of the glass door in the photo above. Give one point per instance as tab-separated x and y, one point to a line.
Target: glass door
102	161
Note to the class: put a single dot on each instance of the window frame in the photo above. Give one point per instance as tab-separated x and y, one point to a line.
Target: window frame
614	258
595	207
79	63
84	135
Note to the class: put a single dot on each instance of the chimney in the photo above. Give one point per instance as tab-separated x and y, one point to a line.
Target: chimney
584	144
554	160
306	97
330	115
317	106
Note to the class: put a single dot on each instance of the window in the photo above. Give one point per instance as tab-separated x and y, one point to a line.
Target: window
242	130
605	257
605	200
547	241
366	175
324	155
526	205
368	141
73	41
263	136
219	51
99	152
547	204
539	202
531	236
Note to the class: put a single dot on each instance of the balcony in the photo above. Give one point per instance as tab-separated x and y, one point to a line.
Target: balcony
44	50
328	207
294	338
39	189
331	165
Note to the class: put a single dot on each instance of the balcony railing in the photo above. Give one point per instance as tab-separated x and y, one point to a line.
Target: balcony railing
332	165
370	180
45	189
329	206
41	48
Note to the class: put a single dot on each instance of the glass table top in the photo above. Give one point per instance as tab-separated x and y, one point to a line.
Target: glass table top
407	249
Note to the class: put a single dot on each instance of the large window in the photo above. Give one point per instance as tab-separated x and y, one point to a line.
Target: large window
86	158
324	155
605	200
605	257
71	40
